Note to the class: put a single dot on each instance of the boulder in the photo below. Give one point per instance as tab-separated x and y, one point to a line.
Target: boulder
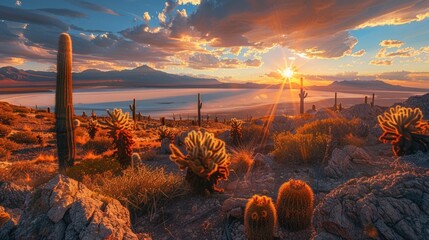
12	195
391	205
234	207
343	161
66	209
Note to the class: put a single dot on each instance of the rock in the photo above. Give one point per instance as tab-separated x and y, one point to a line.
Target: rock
225	136
260	175
66	209
363	111
391	205
343	161
421	102
165	146
8	227
12	195
234	207
418	159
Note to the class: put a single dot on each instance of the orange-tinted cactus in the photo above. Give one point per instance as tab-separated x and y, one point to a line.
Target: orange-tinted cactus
405	129
295	205
260	218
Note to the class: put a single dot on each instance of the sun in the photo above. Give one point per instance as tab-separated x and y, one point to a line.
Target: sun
288	72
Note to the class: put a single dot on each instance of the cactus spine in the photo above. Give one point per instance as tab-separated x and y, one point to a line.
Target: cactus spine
295	205
64	105
302	96
260	218
373	100
133	111
200	105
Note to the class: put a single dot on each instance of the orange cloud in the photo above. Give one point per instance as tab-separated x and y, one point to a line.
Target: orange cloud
381	62
391	43
359	53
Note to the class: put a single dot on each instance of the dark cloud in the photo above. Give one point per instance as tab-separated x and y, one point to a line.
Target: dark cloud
94	7
74	27
6	35
32	17
317	28
63	12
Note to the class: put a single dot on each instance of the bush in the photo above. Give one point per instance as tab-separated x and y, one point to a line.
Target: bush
81	136
241	160
7	118
93	167
26	172
24	137
4	130
98	145
340	128
252	135
142	190
307	148
6	147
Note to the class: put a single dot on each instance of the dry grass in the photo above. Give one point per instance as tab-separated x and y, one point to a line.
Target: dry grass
300	148
93	167
98	146
23	137
26	128
26	172
351	139
148	155
252	134
4	130
241	160
7	118
141	190
44	158
81	136
6	148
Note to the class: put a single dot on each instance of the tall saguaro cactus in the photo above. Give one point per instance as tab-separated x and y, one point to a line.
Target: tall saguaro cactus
64	104
200	105
302	96
373	100
335	104
133	111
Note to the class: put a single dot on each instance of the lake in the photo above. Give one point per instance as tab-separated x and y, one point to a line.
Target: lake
164	102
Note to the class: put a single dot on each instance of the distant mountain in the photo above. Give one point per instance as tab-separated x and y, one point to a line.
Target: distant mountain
138	77
361	85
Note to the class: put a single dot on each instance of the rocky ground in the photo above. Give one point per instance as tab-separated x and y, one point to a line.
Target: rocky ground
361	192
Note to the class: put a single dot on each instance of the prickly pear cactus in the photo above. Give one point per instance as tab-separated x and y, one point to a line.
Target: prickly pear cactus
206	161
260	218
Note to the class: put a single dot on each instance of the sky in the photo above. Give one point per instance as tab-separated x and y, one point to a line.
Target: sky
231	40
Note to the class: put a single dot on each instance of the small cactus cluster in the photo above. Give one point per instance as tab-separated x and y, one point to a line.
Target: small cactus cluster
206	161
165	132
295	205
236	131
119	129
260	218
92	127
405	129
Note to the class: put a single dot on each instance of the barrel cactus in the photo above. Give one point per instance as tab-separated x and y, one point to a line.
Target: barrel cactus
405	129
206	161
295	205
260	218
119	128
236	131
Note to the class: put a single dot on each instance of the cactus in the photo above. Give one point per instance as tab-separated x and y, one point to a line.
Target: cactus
295	205
139	117
48	110
335	102
302	96
119	129
93	115
405	129
136	160
206	161
4	218
236	131
165	132
313	107
373	100
200	105
366	100
84	114
162	120
92	128
64	105
260	218
133	111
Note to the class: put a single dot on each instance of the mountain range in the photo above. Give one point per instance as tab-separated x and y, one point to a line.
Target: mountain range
14	80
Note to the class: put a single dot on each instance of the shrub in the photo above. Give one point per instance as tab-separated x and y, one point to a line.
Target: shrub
93	167
6	147
44	158
307	148
241	160
26	172
405	129
7	118
24	137
81	136
339	128
236	131
4	130
165	132
295	205
253	134
98	146
260	218
142	190
206	161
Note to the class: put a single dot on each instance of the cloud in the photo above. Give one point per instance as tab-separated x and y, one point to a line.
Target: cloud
202	61
402	52
146	16
28	16
404	76
11	61
359	53
275	75
6	35
193	2
94	7
424	49
18	3
381	62
316	29
63	12
391	43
